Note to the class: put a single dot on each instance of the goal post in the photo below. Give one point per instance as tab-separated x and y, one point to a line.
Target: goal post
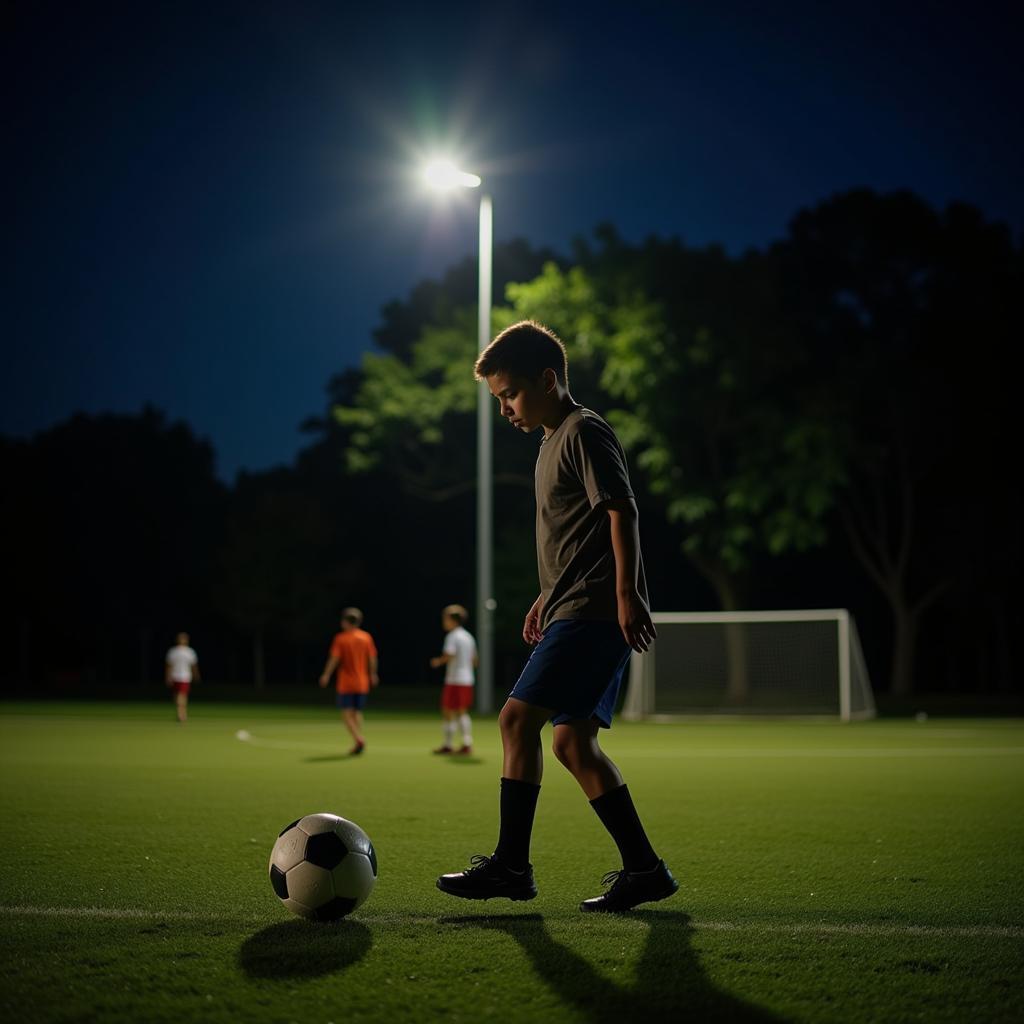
752	662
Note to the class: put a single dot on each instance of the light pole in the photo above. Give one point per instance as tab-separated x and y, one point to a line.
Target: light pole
443	174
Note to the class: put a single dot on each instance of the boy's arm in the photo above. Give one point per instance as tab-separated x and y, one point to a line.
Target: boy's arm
167	673
441	659
634	615
374	678
196	678
531	626
325	676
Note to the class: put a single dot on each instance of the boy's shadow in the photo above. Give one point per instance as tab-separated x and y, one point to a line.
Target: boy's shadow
670	982
299	949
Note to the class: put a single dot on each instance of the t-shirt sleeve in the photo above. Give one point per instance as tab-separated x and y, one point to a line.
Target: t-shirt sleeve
336	645
450	645
371	646
600	463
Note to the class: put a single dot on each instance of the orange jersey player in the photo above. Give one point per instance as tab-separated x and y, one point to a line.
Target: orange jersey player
354	655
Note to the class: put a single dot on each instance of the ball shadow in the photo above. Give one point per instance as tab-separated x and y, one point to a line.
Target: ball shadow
304	949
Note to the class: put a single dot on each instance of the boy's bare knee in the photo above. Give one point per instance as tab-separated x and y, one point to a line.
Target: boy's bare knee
565	746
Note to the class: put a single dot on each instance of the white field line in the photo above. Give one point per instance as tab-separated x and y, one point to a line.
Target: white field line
713	753
837	752
759	927
110	913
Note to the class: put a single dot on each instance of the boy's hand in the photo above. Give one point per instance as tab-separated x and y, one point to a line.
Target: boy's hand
635	622
531	626
374	679
323	680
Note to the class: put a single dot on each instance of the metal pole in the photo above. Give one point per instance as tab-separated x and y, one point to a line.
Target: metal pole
485	603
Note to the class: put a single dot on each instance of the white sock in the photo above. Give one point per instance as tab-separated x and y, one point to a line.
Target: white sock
449	732
467	730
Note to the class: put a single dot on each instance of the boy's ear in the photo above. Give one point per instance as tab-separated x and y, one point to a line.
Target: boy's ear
550	380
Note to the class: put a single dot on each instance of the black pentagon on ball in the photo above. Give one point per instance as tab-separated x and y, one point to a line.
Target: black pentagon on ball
333	909
278	881
285	829
372	854
325	850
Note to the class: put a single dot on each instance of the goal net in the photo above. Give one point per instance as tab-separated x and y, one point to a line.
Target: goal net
780	662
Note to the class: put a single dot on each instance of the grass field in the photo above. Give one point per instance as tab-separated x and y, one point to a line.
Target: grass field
868	872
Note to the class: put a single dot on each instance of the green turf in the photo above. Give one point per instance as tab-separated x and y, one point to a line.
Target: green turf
867	872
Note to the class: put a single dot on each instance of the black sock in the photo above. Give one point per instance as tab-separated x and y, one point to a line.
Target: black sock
618	815
518	803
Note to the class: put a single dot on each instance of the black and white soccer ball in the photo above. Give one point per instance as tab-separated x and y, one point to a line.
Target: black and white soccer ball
323	867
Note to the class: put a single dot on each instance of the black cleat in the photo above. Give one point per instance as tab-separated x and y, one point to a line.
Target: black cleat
488	878
629	889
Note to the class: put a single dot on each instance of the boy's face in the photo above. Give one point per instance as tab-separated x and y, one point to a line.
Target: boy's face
523	402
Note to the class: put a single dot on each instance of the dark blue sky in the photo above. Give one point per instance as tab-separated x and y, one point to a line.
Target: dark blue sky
208	204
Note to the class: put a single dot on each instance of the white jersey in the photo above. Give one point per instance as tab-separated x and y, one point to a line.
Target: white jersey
181	659
461	647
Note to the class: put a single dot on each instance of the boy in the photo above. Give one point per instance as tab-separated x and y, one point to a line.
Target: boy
592	610
354	654
181	668
459	659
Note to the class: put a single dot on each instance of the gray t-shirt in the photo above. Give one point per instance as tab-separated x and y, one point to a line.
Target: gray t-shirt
579	466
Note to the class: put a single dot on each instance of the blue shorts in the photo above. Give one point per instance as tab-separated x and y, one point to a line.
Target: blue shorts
351	700
575	670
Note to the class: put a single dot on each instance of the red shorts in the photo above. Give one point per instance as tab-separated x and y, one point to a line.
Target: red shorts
456	698
180	688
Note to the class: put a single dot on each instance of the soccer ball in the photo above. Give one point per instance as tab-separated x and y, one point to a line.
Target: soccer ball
323	867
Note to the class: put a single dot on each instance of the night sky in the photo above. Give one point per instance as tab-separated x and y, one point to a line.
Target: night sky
207	205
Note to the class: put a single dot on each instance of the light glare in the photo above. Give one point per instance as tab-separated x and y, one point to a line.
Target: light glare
443	174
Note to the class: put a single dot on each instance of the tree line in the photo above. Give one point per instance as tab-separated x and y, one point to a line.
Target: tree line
822	422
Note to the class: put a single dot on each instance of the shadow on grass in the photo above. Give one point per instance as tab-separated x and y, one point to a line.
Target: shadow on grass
670	982
466	759
302	949
328	757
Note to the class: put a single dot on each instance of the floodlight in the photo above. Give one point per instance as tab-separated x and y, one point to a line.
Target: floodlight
443	174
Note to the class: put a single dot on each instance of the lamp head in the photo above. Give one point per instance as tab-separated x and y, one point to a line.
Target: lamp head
444	176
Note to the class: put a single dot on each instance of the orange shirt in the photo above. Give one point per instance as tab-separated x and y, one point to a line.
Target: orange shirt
353	648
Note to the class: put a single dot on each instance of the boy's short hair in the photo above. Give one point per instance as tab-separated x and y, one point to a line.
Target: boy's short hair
525	349
353	615
456	612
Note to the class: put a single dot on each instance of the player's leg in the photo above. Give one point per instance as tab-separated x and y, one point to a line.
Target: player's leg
508	872
180	691
449	714
463	704
348	716
593	660
466	725
522	754
575	744
644	877
355	725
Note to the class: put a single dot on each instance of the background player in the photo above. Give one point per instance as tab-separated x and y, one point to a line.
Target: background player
181	668
354	654
460	659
